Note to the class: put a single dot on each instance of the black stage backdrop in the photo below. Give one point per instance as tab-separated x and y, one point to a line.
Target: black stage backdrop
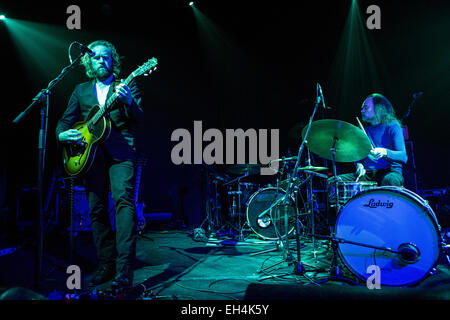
231	64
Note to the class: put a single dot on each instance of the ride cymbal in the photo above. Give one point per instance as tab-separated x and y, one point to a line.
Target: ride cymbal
350	142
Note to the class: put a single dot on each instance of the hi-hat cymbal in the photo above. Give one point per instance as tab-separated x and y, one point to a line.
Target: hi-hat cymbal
351	143
312	168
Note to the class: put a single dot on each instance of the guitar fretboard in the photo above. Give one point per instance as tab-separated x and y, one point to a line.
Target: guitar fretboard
111	100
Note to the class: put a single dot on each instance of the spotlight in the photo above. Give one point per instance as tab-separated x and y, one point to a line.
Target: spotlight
191	3
2	17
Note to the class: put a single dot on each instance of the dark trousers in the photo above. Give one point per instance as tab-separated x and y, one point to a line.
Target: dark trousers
117	248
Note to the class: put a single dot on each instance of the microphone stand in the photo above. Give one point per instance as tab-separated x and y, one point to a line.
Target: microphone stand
286	201
298	264
44	94
335	273
409	108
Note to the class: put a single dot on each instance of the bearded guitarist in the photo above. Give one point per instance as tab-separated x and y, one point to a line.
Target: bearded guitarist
114	163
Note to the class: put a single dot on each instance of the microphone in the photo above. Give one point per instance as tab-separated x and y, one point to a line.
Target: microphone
408	253
321	98
85	49
417	95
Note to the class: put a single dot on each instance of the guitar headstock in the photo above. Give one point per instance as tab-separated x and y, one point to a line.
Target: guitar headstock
147	68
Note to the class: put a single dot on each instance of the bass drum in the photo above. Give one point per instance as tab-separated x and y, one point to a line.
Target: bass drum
389	217
266	213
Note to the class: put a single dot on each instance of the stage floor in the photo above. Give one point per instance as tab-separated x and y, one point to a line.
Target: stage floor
171	265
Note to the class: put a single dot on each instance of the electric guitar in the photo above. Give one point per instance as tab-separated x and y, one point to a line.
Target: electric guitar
78	157
141	223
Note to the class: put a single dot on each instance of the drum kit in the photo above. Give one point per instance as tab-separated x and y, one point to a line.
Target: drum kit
389	227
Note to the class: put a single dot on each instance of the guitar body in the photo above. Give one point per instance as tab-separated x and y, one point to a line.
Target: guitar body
78	158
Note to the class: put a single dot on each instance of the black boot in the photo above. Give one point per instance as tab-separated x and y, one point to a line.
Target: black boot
123	280
101	275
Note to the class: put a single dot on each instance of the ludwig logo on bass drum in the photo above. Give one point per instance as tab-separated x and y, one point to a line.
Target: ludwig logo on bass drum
375	204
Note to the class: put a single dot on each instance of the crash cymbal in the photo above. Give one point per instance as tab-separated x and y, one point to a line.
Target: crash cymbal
312	168
249	168
351	142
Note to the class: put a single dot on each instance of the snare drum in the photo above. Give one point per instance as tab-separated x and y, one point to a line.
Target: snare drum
389	217
347	189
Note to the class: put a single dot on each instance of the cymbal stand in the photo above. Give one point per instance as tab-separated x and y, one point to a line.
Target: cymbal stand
333	159
310	197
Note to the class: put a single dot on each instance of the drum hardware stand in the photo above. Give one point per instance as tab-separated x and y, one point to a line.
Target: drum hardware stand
311	207
335	271
211	224
212	215
236	211
333	159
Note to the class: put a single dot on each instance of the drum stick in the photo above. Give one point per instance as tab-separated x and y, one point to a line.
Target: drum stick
362	128
357	179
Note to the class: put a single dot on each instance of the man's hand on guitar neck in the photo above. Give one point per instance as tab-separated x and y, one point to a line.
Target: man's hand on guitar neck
70	136
124	94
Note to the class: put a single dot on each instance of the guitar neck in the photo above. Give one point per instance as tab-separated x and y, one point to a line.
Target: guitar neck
111	100
146	68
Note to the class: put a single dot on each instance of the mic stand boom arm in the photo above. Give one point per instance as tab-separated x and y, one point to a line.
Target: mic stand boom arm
46	91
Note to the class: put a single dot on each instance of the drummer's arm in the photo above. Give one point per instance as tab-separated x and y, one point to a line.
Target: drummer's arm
398	153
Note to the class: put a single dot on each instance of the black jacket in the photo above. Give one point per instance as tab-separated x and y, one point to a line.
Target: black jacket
121	143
